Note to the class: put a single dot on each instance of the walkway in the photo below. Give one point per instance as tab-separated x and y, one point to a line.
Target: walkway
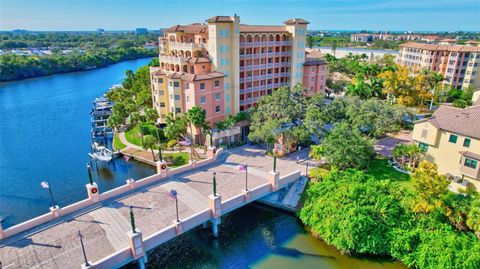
104	225
385	146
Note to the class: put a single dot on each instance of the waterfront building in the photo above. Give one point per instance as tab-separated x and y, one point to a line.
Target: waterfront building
224	66
362	37
459	64
451	140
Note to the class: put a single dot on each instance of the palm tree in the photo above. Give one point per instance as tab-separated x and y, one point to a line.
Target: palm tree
399	153
149	142
195	117
414	152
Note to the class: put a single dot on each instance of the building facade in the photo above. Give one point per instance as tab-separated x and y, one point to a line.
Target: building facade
224	66
451	140
459	65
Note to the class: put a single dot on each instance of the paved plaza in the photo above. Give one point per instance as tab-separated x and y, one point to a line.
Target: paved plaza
385	146
105	225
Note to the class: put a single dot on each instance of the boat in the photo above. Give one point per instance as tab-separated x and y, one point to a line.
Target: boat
100	153
102	109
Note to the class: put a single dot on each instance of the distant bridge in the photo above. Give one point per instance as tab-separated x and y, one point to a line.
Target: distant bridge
51	241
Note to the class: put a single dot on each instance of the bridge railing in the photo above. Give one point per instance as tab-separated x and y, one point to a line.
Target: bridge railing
164	235
83	204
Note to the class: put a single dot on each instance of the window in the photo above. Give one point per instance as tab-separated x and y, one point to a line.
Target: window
217	83
202	86
226	33
188	99
452	139
423	147
227	97
176	84
227	85
217	97
203	100
178	110
424	133
160	80
187	85
217	109
221	48
466	142
171	96
227	109
177	97
226	47
471	163
171	83
162	104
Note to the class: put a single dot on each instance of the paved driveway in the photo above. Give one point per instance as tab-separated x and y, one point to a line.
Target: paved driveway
385	146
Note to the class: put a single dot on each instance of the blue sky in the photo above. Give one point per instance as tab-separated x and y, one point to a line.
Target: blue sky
395	15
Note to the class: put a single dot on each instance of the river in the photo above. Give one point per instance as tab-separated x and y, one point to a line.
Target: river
45	135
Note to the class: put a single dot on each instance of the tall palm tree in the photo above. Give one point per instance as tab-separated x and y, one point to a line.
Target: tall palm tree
196	118
149	142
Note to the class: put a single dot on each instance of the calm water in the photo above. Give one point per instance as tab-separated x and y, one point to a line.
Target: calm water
257	237
45	134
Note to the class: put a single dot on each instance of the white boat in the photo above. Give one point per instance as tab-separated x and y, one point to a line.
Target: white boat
101	153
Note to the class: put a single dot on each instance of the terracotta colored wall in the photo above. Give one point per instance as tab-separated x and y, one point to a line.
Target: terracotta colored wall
195	94
315	77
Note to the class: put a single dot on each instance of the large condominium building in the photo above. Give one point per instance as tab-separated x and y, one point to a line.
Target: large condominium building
224	66
451	140
459	65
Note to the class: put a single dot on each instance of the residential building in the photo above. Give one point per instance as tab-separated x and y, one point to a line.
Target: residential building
315	73
362	37
459	64
224	66
451	140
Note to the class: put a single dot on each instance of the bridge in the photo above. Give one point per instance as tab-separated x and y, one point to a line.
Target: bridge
104	220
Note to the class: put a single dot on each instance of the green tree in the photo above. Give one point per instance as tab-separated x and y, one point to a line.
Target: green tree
149	142
175	127
345	147
195	117
429	187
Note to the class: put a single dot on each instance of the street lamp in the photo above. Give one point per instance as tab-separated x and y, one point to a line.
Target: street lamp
159	145
274	161
174	194
83	248
214	184
46	185
89	174
132	220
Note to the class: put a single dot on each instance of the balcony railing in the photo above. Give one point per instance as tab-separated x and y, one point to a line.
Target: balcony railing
172	59
183	46
264	43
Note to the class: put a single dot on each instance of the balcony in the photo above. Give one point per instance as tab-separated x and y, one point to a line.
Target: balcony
172	59
183	46
265	43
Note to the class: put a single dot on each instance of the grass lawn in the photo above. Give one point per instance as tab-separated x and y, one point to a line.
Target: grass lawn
133	136
117	144
380	169
179	159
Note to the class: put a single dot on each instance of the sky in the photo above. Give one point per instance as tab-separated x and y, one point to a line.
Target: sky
376	15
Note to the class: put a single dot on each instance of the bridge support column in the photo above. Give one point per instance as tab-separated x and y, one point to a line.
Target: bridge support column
215	222
161	167
211	151
215	204
2	233
135	241
141	262
92	191
273	178
54	211
246	195
130	183
178	227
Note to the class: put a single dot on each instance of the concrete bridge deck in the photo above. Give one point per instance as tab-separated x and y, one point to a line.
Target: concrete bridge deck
105	224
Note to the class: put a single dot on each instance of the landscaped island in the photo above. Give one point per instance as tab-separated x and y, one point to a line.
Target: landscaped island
29	55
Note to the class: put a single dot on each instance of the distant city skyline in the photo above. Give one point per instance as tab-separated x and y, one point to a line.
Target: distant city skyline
372	15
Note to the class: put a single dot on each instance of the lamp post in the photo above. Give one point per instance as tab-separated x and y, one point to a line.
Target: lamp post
214	184
83	248
46	185
274	161
246	177
306	169
132	220
159	145
126	158
90	178
174	194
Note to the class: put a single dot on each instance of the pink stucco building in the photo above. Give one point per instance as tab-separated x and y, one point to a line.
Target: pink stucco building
224	66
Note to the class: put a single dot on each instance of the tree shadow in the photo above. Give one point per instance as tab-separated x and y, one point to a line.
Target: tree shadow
295	253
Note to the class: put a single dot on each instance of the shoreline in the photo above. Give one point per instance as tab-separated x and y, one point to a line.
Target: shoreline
2	82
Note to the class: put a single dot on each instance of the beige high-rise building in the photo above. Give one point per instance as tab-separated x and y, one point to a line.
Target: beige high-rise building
224	66
459	64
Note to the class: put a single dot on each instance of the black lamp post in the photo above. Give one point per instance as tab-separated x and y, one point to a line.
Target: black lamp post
306	169
274	161
90	178
174	194
83	248
159	145
214	184
132	220
246	177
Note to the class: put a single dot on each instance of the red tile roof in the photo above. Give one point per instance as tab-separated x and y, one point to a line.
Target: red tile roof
453	48
193	77
295	21
219	19
460	121
193	28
